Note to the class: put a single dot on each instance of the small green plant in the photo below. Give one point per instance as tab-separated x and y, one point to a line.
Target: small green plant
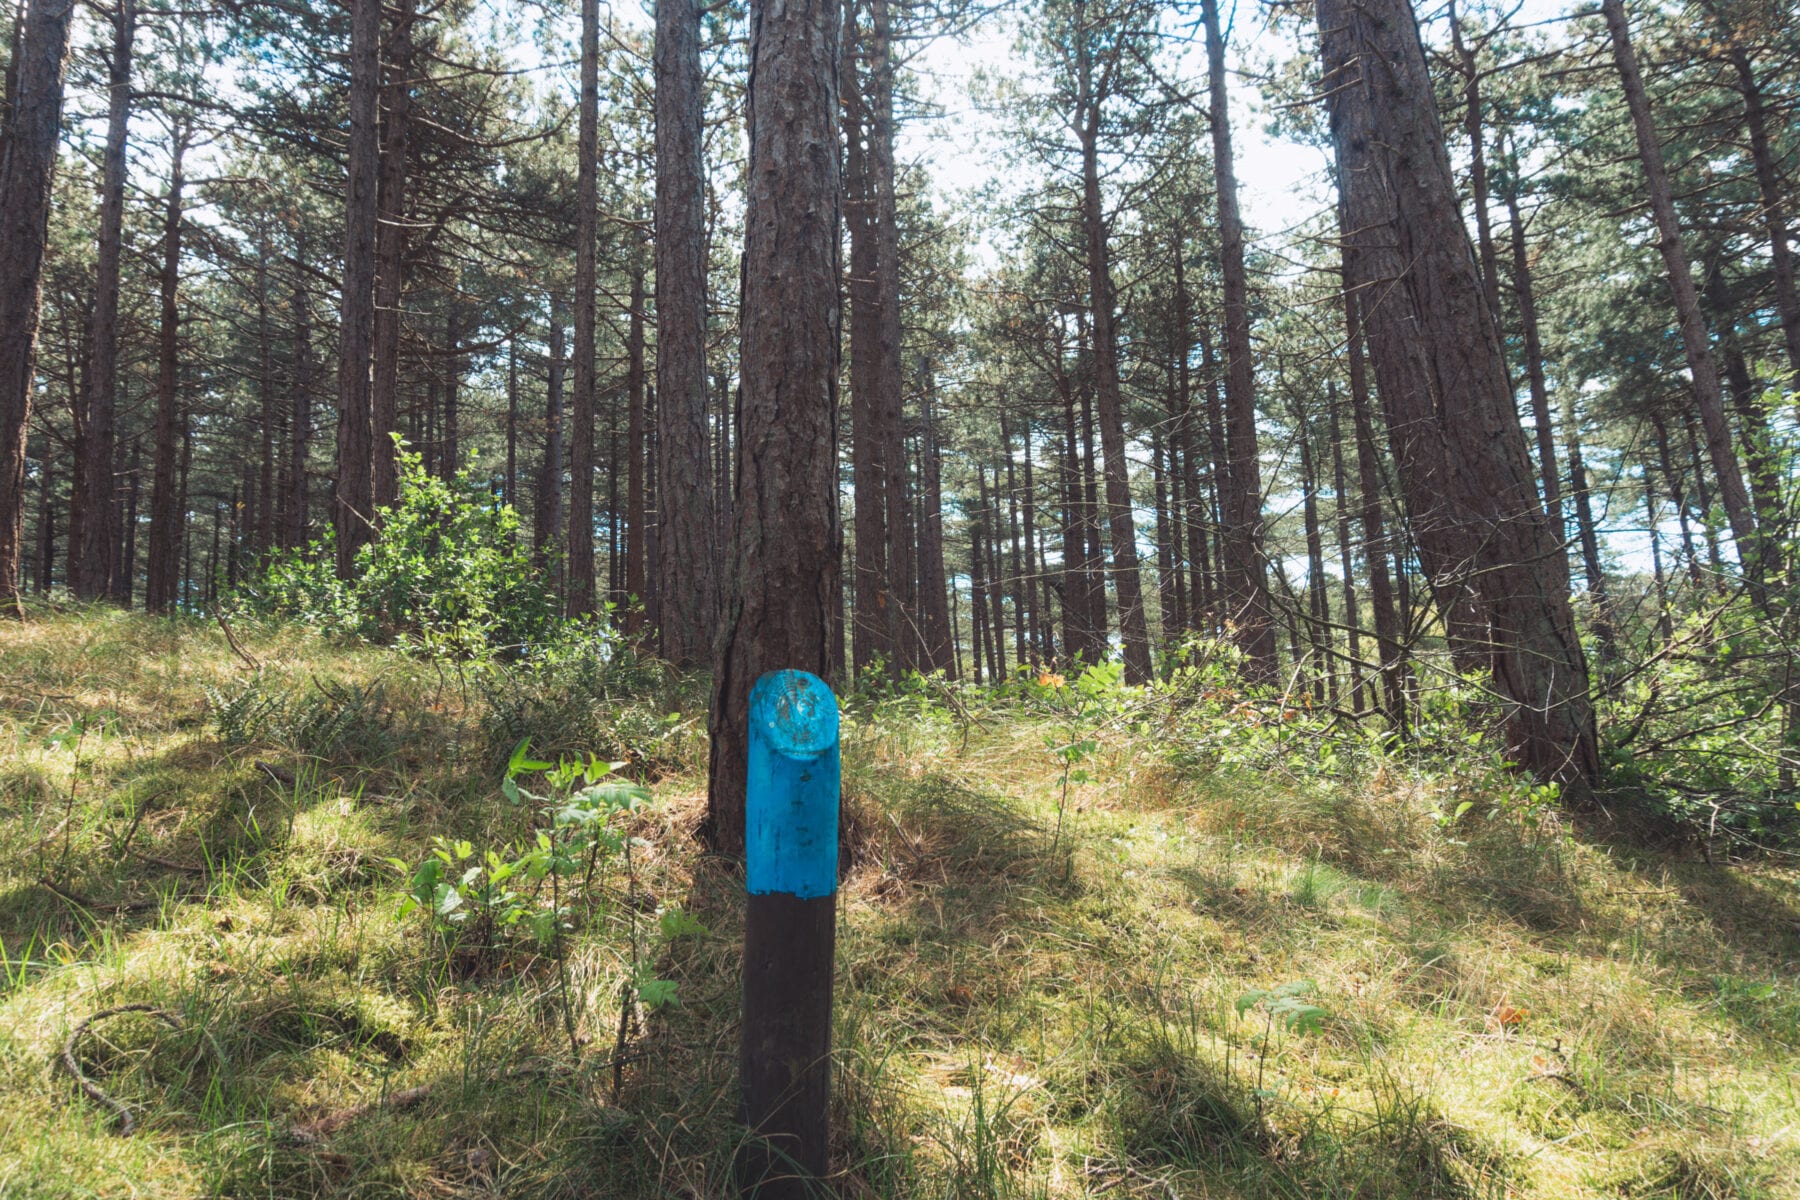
530	884
1286	1005
1078	709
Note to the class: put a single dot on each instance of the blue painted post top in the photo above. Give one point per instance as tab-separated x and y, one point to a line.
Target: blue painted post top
791	797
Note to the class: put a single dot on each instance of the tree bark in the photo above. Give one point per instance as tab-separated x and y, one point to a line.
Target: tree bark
390	258
353	495
637	534
579	553
687	566
1134	629
547	511
1454	427
1534	356
934	606
26	170
786	538
1246	586
1768	183
167	510
876	630
1708	394
1593	570
99	531
1340	500
300	419
1478	174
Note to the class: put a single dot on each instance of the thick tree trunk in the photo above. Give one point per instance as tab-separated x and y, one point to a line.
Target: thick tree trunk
786	538
167	507
353	495
1458	445
99	531
901	553
873	612
579	552
687	566
390	257
1708	395
26	168
1246	587
1134	629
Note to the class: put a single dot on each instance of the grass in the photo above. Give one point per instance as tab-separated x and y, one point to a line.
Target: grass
1509	1012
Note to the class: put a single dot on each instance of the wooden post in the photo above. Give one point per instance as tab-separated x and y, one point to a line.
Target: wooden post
790	934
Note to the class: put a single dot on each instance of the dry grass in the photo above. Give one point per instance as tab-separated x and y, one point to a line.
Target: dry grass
1510	1012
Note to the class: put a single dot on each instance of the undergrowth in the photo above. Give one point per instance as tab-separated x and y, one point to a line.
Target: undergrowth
1088	945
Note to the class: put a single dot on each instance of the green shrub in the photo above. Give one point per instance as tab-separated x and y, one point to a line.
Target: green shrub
445	574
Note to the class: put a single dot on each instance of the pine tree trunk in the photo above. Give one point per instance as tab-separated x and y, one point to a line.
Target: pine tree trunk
1390	648
99	536
390	258
547	510
269	424
687	576
1768	183
876	629
453	374
1458	445
1340	501
1246	587
637	534
168	512
1016	569
1318	630
1534	358
786	539
1134	629
1478	176
579	551
901	554
1708	395
511	489
300	420
1593	570
25	178
353	494
940	630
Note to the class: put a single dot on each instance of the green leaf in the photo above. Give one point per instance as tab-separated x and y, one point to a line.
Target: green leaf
656	993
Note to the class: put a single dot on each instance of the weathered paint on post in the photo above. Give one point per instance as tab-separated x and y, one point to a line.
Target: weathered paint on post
790	934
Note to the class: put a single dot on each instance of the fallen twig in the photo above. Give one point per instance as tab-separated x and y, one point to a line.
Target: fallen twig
231	639
90	1089
78	899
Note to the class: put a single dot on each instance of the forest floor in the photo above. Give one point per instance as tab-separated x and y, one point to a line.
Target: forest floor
1480	1008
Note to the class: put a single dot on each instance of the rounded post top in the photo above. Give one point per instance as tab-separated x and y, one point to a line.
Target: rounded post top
795	712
